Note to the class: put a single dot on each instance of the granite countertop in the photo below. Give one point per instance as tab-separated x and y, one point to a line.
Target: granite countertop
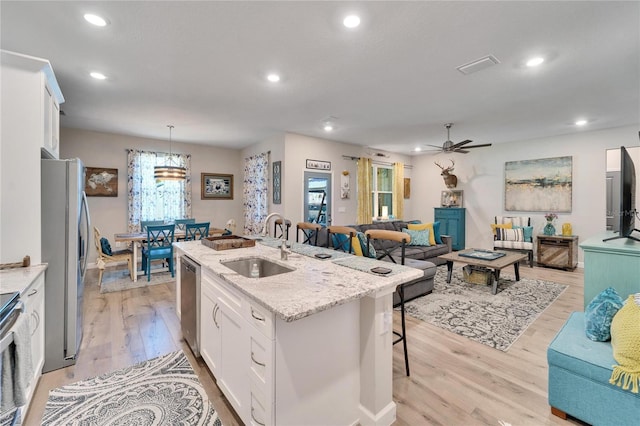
19	279
314	286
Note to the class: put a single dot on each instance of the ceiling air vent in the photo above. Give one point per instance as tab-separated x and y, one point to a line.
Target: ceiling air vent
478	64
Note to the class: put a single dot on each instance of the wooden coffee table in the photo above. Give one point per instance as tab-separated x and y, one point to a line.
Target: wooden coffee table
496	265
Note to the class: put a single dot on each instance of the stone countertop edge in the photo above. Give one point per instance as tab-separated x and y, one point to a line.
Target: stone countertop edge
314	286
19	279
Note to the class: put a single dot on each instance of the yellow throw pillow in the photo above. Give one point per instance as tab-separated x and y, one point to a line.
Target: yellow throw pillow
503	226
625	342
357	248
422	227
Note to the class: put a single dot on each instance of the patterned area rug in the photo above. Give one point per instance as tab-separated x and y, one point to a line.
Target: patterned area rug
470	310
160	391
119	280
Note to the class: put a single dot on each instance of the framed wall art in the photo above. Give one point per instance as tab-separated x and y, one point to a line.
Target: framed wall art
407	188
319	165
277	182
542	185
216	186
101	182
451	199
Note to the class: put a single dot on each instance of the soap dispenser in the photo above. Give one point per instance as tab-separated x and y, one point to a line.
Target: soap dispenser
255	271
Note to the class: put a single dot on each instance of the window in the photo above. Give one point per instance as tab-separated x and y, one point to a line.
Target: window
382	191
156	200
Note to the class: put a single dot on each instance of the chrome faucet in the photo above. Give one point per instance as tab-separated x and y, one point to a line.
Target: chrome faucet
284	250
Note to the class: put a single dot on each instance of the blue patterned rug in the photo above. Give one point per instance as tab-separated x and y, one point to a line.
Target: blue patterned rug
470	310
160	391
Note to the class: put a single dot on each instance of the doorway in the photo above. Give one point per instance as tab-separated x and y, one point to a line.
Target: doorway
317	198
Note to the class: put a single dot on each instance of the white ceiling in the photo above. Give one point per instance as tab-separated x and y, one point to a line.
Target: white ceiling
392	83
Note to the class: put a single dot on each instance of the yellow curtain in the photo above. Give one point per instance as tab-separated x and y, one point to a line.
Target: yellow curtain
364	190
398	190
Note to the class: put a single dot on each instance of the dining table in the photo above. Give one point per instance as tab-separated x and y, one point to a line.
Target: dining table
137	239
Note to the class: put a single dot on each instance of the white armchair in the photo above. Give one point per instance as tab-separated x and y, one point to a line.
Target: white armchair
519	237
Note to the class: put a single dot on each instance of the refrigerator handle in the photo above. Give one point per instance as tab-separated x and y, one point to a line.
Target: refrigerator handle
85	207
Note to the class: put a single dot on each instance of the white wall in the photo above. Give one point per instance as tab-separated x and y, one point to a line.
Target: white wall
109	214
481	177
299	148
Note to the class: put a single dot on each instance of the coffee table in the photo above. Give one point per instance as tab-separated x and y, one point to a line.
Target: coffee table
496	265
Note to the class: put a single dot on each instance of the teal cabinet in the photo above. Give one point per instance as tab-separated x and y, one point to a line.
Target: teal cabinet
452	222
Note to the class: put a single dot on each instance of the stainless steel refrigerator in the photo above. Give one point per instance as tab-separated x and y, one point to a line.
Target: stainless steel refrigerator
65	246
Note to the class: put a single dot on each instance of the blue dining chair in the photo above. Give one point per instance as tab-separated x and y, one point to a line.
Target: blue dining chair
145	223
196	231
159	246
180	223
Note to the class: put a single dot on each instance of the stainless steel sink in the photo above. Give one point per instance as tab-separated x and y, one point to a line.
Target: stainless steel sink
265	268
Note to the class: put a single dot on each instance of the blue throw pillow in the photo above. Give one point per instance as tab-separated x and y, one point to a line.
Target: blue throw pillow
105	246
599	313
436	232
418	238
528	233
340	241
363	245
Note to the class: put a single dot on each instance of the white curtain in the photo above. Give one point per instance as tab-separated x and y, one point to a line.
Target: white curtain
149	199
254	194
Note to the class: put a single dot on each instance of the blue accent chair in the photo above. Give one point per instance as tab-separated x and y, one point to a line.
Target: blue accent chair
180	223
196	231
145	223
159	246
579	372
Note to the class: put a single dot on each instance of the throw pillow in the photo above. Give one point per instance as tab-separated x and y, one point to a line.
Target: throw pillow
105	246
495	227
418	238
340	241
356	248
434	231
599	313
503	234
528	232
625	342
363	245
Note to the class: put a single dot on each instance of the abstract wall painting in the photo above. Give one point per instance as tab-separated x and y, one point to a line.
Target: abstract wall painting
542	185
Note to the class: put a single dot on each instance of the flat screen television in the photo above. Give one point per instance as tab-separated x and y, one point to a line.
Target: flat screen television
627	212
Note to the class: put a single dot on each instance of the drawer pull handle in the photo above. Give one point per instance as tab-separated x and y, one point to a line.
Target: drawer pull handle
254	418
34	291
255	317
214	314
261	364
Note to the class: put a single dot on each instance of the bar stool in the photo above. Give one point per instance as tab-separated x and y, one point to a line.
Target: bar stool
310	232
279	229
342	238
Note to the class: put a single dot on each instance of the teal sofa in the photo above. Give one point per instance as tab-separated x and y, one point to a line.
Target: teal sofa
579	372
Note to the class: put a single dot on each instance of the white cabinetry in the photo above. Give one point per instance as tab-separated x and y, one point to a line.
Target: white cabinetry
30	129
235	349
34	309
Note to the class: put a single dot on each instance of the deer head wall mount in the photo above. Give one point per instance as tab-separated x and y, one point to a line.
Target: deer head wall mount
450	180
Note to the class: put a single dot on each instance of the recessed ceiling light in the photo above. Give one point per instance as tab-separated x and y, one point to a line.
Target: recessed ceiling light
274	78
96	20
534	62
417	149
328	127
351	21
581	122
98	75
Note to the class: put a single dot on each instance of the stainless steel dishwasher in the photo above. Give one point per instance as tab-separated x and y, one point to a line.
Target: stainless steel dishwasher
190	303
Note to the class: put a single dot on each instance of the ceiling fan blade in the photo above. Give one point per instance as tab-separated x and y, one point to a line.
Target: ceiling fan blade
459	144
434	146
477	146
461	151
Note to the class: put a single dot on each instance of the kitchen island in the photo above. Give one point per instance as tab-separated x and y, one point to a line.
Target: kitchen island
309	346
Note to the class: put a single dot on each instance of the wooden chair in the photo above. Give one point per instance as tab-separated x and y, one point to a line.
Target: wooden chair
196	231
342	238
279	229
401	239
310	232
159	246
103	259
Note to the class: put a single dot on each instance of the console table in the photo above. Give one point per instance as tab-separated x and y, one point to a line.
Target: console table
614	263
558	251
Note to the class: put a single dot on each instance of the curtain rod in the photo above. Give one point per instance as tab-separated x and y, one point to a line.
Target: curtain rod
384	163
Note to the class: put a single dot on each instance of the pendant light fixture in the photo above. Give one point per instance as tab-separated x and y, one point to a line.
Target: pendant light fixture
169	172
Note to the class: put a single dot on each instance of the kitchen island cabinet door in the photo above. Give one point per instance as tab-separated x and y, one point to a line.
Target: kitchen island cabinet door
209	326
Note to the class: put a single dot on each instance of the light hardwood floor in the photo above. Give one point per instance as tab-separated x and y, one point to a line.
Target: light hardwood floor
454	381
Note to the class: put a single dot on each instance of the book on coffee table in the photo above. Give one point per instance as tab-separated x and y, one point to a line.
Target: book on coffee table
482	254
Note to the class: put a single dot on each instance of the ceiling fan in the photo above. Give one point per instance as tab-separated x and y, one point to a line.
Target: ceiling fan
461	147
